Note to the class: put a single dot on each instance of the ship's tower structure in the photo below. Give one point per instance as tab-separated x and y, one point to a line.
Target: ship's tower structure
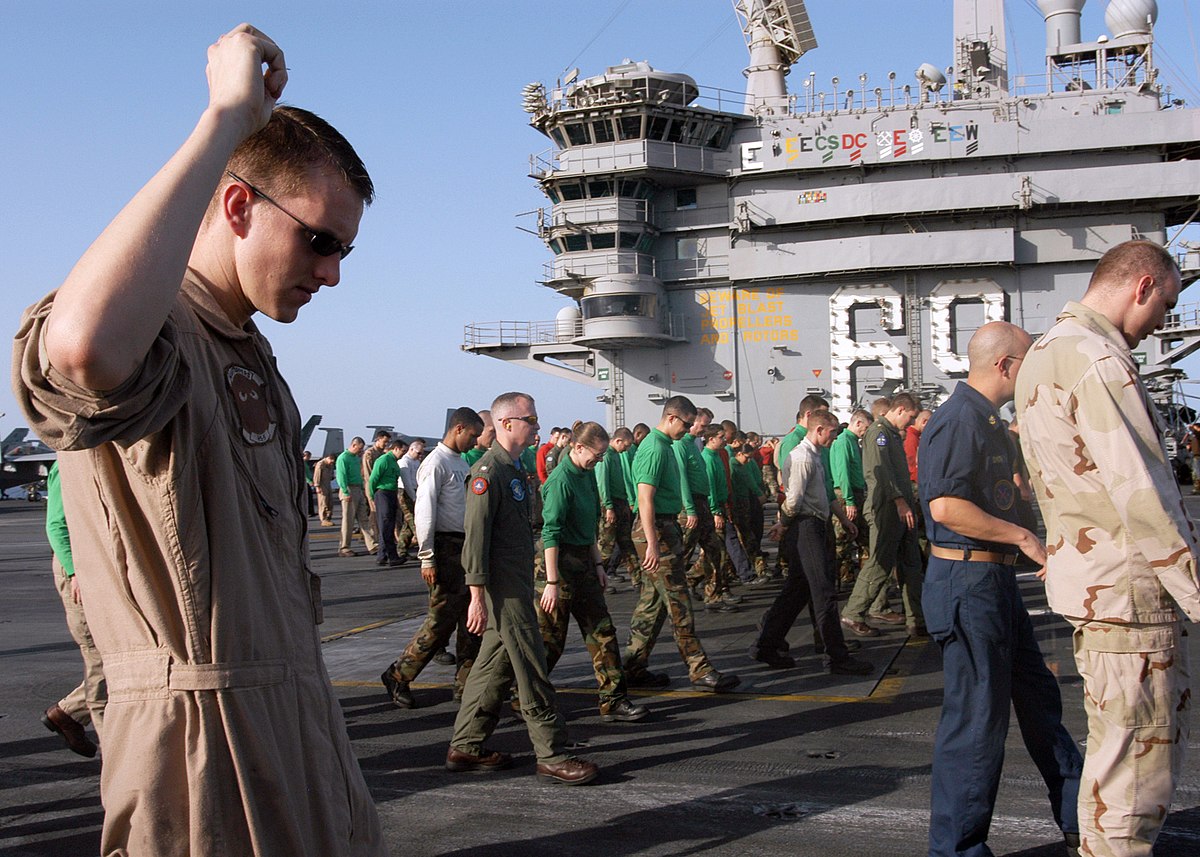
847	240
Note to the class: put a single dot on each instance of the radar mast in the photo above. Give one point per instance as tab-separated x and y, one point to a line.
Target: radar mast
778	32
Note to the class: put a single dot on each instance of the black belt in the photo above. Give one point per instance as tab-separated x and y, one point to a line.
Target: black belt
449	534
961	554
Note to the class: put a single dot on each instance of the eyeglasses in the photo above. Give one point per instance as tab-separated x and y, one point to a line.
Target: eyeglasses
687	424
322	243
532	420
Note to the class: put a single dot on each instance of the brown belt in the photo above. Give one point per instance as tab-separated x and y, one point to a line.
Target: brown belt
969	555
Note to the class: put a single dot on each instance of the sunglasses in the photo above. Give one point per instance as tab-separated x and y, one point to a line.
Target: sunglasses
322	243
533	420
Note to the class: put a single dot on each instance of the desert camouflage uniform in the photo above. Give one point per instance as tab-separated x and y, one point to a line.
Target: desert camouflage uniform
1121	568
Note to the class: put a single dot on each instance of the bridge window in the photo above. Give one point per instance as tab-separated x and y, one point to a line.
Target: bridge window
630	127
613	306
604	240
577	133
603	130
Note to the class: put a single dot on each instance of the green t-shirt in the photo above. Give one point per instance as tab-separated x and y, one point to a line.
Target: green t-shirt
570	506
610	478
655	464
349	470
845	460
56	522
718	490
475	453
385	475
695	479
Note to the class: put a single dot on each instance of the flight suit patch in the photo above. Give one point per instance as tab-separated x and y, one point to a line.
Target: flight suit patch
517	486
479	485
881	440
249	394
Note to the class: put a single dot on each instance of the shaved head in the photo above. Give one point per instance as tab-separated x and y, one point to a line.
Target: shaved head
994	341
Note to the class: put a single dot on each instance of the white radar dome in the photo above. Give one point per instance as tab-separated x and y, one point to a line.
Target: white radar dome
1131	17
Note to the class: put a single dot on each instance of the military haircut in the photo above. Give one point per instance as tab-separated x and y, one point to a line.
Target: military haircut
710	432
905	401
642	429
397	444
809	404
822	418
880	406
294	141
862	413
680	406
465	417
381	433
622	433
506	405
705	412
1129	261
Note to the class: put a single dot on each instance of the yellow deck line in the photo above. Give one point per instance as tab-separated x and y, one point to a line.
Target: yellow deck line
886	690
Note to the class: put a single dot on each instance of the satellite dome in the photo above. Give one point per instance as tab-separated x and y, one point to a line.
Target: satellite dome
1131	17
931	76
567	313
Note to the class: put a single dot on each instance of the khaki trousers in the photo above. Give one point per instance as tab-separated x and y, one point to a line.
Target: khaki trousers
86	702
355	508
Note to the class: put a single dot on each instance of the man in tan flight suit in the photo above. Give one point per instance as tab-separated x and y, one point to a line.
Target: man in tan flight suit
179	452
1121	550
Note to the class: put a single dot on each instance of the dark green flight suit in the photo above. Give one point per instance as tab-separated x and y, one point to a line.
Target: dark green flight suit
893	545
498	555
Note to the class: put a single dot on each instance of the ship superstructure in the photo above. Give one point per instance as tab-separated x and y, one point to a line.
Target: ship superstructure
845	242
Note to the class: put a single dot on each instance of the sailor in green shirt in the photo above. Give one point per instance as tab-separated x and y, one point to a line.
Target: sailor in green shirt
699	524
656	532
383	485
616	523
86	703
484	443
845	461
354	500
570	517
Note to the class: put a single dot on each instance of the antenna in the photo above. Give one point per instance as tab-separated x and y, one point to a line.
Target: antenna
785	22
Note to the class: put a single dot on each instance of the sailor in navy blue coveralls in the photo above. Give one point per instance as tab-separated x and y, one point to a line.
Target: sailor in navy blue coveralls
973	610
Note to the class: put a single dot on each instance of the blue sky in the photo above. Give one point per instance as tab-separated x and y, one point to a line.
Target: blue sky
98	95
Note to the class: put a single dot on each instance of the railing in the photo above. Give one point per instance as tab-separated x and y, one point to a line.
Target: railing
608	209
521	333
1186	317
628	155
578	265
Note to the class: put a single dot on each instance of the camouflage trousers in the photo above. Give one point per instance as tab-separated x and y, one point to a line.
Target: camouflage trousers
1137	694
852	554
664	593
616	541
712	567
448	601
406	523
580	595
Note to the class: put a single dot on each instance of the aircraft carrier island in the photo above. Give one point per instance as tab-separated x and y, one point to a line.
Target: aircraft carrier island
846	237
